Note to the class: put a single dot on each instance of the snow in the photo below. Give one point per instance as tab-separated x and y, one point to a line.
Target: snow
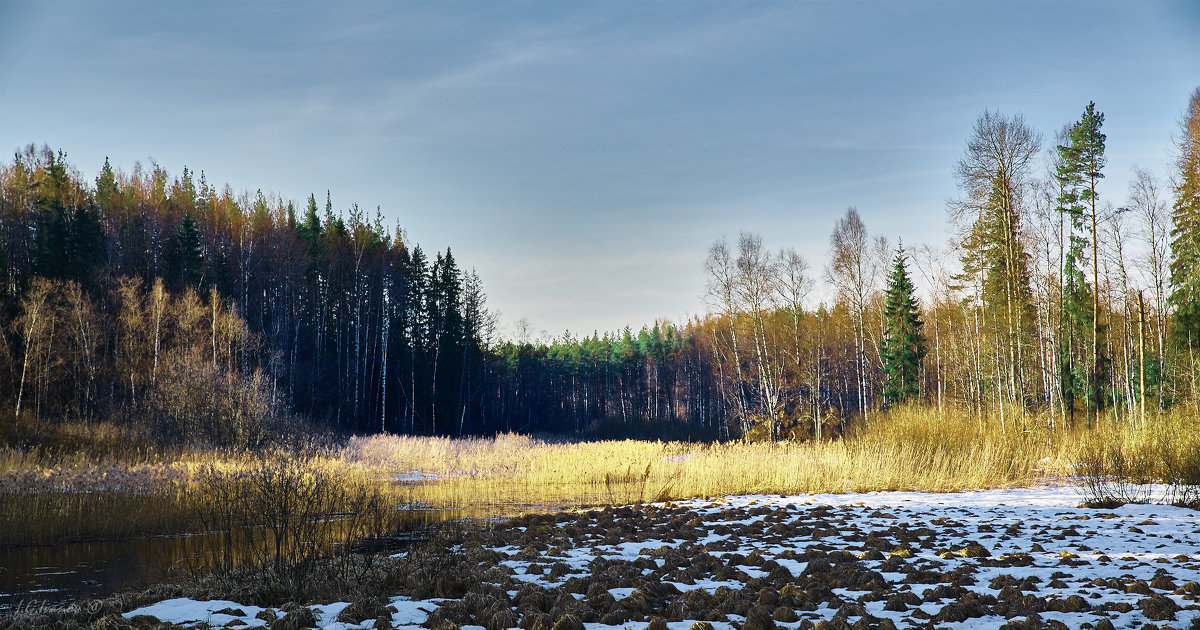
183	611
413	476
1071	551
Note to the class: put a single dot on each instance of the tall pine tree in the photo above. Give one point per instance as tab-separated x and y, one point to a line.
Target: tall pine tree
1079	172
903	347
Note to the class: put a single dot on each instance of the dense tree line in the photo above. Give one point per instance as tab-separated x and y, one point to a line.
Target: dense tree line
109	287
119	292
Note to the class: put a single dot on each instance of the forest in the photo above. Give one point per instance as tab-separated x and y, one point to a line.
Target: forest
188	312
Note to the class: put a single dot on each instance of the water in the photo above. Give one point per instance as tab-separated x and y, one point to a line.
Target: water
32	576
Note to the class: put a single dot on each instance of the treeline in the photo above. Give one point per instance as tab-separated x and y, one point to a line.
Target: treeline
149	300
1047	301
164	303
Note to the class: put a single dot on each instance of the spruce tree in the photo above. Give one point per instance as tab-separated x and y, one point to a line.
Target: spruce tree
1185	236
994	175
107	190
310	228
903	347
191	252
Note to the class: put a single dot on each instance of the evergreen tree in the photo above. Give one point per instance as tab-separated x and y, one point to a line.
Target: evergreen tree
86	243
191	252
310	228
52	238
1185	235
1079	171
107	190
446	326
993	174
903	347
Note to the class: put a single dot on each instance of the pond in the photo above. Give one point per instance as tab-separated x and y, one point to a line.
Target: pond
50	575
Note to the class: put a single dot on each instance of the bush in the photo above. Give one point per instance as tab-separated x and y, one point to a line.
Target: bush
1113	474
287	515
1180	455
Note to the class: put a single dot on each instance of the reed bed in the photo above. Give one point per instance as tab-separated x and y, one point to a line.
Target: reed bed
1116	461
908	449
48	497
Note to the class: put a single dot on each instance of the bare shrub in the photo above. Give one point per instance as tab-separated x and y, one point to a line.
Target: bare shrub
1181	470
285	516
1113	472
198	403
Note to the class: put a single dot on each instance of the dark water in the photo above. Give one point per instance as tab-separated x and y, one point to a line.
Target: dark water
33	576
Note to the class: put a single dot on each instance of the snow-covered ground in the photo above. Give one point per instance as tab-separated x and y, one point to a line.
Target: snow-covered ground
878	560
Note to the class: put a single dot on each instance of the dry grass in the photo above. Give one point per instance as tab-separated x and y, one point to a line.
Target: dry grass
912	449
50	497
1116	460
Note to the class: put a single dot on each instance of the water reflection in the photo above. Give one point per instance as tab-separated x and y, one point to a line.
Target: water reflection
73	571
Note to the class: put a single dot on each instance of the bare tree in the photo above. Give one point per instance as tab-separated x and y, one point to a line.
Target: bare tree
85	327
1113	229
1046	231
930	261
793	287
849	272
722	293
1154	230
36	312
756	287
993	174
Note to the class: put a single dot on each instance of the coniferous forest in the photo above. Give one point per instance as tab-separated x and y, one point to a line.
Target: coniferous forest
176	307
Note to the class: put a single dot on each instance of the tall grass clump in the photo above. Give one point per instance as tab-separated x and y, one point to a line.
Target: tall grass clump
977	452
42	506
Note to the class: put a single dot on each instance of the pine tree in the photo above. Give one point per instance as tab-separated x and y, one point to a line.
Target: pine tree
903	347
1078	173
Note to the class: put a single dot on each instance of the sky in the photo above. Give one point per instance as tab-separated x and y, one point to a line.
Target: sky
583	156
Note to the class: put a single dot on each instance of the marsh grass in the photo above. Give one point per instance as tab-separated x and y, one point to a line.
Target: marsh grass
49	496
907	449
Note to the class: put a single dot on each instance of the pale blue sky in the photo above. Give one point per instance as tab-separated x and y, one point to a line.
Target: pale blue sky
583	156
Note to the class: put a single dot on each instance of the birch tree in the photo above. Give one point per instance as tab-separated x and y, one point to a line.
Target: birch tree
849	271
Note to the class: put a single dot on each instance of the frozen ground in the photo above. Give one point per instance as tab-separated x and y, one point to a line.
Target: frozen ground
1026	558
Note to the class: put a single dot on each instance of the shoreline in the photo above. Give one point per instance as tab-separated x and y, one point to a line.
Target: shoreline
763	561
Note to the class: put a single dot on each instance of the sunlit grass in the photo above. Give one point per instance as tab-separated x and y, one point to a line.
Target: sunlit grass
53	496
49	497
912	449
